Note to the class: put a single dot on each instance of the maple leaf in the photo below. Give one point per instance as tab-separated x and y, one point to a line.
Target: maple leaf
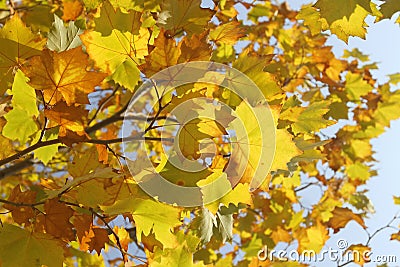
22	214
121	51
62	38
113	18
63	76
71	9
55	220
389	8
67	117
96	239
20	121
341	216
227	33
194	131
312	238
165	54
161	220
251	152
20	44
123	236
333	11
29	248
185	15
308	119
195	48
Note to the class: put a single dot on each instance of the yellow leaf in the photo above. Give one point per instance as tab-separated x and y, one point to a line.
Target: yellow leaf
110	52
227	33
286	149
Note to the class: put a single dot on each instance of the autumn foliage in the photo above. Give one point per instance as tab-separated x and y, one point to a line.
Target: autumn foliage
68	70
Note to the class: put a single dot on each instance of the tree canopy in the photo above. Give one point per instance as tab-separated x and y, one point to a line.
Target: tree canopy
90	114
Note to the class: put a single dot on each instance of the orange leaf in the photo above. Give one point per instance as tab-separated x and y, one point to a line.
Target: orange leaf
341	216
55	220
21	214
103	153
72	10
63	76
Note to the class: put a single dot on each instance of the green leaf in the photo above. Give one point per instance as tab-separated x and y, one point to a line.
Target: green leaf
220	224
45	154
24	96
20	247
118	48
126	74
394	78
311	119
345	17
253	67
252	248
161	219
224	53
358	171
356	86
181	255
356	54
20	126
312	19
62	38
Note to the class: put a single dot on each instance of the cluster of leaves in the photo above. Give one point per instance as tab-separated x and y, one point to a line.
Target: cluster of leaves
67	72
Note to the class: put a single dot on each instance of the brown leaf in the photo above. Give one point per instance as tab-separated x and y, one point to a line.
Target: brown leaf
341	216
21	214
69	137
63	76
99	237
82	223
55	220
195	48
67	117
